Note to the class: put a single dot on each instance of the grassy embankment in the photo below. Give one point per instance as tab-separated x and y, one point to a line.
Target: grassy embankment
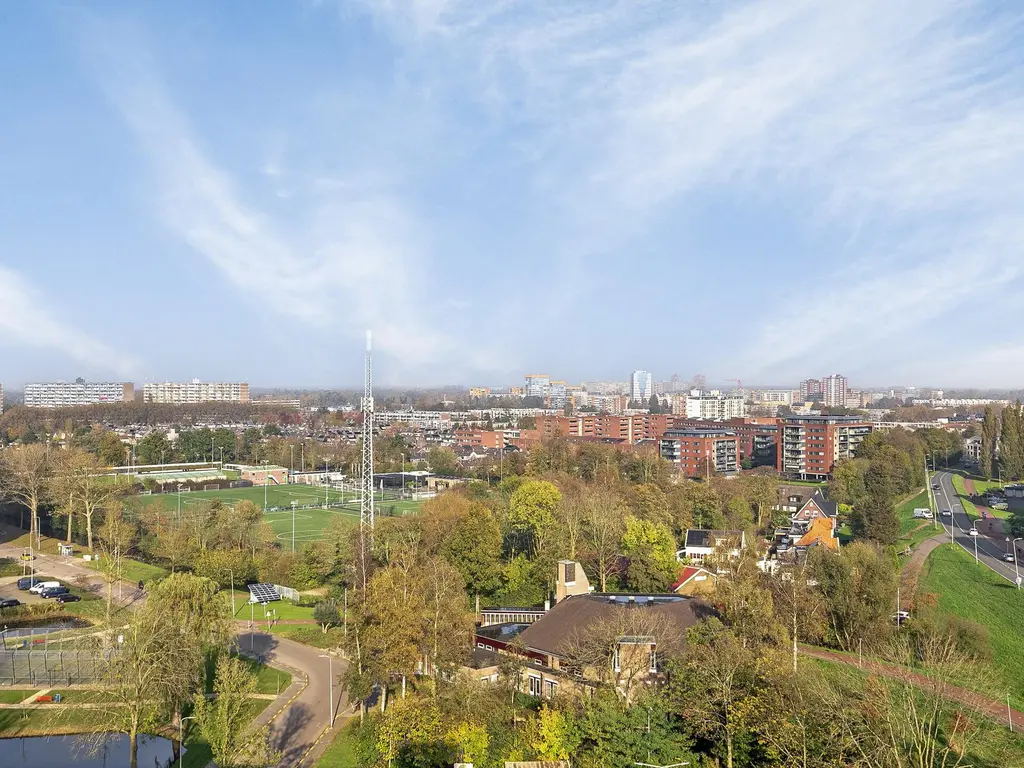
977	593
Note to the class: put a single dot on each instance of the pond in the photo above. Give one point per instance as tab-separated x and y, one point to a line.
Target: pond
62	751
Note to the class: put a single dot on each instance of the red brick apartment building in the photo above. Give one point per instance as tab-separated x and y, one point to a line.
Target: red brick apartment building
758	437
631	429
699	452
480	438
810	446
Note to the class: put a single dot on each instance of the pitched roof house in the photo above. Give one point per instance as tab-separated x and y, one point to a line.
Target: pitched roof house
694	580
816	506
821	531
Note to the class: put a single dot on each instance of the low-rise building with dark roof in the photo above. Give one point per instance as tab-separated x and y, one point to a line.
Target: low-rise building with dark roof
701	543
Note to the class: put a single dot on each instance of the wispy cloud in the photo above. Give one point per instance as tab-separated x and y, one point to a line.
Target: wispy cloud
350	258
28	320
891	135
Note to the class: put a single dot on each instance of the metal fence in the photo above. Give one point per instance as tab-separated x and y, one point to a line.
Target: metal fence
52	667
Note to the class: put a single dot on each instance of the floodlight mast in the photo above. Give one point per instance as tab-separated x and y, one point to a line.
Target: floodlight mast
366	511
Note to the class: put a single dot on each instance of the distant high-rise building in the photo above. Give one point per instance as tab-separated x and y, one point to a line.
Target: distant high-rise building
196	391
558	394
833	390
1	398
537	385
810	389
640	386
713	405
810	446
64	394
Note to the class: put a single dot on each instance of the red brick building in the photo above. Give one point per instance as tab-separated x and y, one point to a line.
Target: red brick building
758	437
700	452
639	426
480	438
810	446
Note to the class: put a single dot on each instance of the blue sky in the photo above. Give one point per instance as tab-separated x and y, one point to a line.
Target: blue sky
765	190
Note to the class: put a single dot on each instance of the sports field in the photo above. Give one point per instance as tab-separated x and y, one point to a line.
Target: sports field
311	512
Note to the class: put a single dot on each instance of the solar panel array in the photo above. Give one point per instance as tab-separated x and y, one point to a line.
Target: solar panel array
263	593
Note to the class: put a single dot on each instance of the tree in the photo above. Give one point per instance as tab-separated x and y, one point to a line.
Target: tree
874	518
117	536
715	688
474	549
604	526
111	451
143	679
989	441
1011	444
744	596
847	485
442	461
649	502
858	588
25	474
225	721
651	551
80	481
532	512
325	613
154	448
448	631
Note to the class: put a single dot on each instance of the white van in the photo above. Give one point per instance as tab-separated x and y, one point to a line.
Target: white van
41	585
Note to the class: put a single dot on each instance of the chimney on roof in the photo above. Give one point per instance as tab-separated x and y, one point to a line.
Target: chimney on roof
570	580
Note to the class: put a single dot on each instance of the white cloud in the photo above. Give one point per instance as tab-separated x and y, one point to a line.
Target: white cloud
350	259
890	134
27	320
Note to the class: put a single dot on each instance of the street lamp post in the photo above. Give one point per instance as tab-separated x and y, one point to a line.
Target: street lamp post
1016	568
330	704
976	562
232	592
181	738
264	487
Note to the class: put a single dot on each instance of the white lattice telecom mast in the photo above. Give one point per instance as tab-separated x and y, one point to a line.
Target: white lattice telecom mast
366	479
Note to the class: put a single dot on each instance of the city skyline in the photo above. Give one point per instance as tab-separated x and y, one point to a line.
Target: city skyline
416	169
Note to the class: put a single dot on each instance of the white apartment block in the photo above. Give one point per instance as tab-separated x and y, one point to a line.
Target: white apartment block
834	390
195	391
772	396
537	385
67	394
711	405
423	419
640	386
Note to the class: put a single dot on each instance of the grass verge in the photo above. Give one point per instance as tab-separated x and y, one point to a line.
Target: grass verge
342	751
976	593
310	634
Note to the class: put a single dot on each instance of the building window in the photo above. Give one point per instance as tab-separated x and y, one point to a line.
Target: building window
534	685
615	659
552	687
654	661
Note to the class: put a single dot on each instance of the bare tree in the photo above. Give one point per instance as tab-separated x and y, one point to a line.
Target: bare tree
79	478
25	475
605	524
624	648
117	536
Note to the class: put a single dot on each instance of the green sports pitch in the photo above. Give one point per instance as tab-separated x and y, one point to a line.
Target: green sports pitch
312	513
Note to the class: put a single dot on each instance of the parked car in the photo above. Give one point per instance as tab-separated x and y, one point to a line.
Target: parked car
43	585
921	512
900	616
54	592
68	598
11	603
1008	557
973	532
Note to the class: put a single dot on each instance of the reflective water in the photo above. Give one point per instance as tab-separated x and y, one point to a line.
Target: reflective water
63	751
41	630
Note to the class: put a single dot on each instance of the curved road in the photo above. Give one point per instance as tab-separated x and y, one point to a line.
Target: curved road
990	551
297	730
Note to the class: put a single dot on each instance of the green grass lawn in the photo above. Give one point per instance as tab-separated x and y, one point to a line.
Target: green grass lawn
283	609
37	722
913	530
268	679
197	751
82	696
310	634
308	522
980	487
135	570
14	696
342	752
977	593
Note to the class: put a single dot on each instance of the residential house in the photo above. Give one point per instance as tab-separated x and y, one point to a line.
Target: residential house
695	581
816	506
822	531
701	543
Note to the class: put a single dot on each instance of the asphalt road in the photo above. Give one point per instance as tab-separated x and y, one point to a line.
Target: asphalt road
296	730
990	550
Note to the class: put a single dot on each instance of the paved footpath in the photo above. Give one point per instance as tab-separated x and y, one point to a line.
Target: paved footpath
300	731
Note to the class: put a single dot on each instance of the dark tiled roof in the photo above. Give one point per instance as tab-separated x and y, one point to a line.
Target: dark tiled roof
829	508
555	631
702	537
